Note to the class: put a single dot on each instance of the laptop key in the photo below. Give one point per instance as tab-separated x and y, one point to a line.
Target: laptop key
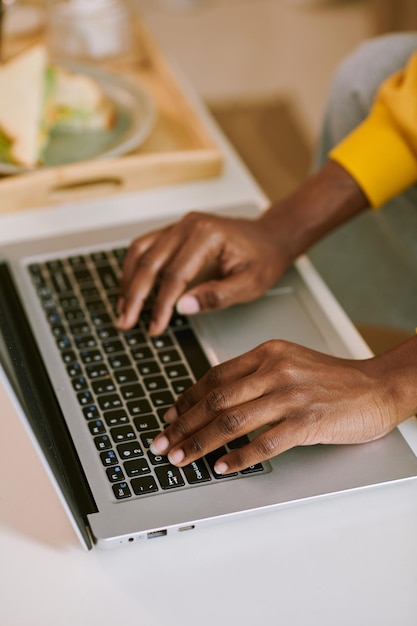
98	370
68	356
83	276
169	356
130	392
157	459
110	347
142	353
155	383
146	422
122	491
144	485
211	459
136	467
125	376
91	412
148	437
179	386
148	368
91	356
139	407
79	383
106	332
85	398
122	433
176	371
253	469
134	337
103	386
169	477
107	277
108	458
116	418
196	472
96	427
90	293
102	442
110	401
129	450
115	473
74	369
162	398
192	351
119	361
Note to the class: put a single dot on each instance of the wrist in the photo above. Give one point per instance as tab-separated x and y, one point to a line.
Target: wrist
326	200
397	371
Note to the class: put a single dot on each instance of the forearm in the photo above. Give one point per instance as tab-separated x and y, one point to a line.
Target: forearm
323	202
397	370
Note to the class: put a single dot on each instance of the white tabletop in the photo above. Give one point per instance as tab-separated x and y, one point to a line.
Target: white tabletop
347	560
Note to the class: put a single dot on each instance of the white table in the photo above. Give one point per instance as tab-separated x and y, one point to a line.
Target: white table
348	560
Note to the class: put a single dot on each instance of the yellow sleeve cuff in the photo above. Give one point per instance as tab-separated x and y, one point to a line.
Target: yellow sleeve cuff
377	156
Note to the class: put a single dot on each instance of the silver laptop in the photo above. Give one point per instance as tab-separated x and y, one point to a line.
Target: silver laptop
93	398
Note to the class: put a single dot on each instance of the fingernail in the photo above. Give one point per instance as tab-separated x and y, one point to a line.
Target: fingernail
188	305
159	445
176	456
221	468
171	415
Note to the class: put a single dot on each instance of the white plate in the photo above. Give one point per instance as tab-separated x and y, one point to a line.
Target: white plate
135	119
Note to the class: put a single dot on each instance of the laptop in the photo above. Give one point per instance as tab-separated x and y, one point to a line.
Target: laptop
93	398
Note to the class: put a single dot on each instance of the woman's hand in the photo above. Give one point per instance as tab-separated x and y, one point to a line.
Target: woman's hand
243	254
247	256
296	396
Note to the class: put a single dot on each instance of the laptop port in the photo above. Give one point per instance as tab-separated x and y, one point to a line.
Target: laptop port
153	534
182	529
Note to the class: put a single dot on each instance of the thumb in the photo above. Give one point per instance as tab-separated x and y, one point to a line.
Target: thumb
215	294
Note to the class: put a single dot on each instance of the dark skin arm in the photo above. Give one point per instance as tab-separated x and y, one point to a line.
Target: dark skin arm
289	391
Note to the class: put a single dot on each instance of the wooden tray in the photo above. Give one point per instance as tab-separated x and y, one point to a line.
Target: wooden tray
179	149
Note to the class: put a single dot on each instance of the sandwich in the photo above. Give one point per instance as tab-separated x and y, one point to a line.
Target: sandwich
24	126
37	98
79	104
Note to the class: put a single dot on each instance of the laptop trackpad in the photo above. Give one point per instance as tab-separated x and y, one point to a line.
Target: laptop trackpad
279	314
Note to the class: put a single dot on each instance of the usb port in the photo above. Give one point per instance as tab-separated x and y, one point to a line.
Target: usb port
153	534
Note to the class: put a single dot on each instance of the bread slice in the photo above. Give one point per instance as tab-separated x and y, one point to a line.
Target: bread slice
36	98
23	123
79	103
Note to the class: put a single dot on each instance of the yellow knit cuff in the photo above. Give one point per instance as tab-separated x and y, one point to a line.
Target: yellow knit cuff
378	157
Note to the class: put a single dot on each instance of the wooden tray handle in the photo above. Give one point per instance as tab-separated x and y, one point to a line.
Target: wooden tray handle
106	177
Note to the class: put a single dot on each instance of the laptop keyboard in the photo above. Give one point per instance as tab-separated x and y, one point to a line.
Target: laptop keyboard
123	381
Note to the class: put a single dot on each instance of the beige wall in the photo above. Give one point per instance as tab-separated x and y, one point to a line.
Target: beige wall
248	49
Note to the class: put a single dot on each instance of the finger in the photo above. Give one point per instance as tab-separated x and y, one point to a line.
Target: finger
129	311
221	408
218	377
283	436
226	427
142	272
218	294
135	250
183	267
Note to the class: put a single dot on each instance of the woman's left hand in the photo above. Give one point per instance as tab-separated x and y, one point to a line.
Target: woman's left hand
296	396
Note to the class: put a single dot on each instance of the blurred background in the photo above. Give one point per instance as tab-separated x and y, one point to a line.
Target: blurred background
264	67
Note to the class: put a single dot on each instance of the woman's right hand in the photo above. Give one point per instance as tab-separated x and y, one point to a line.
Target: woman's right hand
243	256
